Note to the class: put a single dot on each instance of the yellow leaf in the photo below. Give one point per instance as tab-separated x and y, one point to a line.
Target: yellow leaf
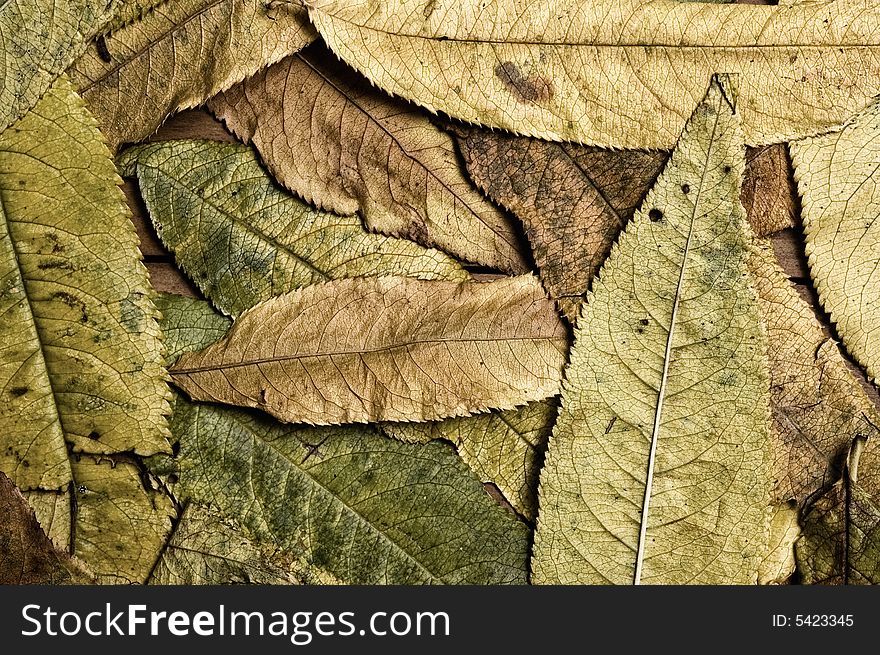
657	470
618	73
81	360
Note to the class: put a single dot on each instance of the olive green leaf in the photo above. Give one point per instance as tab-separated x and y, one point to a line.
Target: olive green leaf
817	404
779	564
613	73
208	549
841	529
338	143
657	470
38	40
505	448
839	183
242	239
347	502
179	54
27	556
81	359
385	349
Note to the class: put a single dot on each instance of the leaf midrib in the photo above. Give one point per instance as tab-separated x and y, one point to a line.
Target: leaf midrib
661	393
364	351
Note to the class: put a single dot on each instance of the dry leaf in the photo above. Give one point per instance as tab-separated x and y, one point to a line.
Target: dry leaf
329	137
614	73
80	353
838	179
345	501
39	39
779	564
504	448
385	349
657	470
841	530
572	200
768	191
208	549
27	556
243	240
817	404
178	55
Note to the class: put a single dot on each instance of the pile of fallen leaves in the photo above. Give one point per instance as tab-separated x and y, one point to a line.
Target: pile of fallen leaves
490	300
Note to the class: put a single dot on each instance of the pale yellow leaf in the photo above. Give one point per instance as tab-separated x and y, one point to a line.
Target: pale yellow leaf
618	73
839	181
81	360
657	470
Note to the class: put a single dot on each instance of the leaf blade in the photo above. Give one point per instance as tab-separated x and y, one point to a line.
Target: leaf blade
670	419
612	74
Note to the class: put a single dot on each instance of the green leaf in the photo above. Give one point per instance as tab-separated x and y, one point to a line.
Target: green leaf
81	360
657	470
178	55
505	448
345	501
841	529
38	40
385	349
243	239
208	549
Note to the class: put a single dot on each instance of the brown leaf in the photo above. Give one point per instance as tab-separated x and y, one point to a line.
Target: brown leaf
817	404
27	556
340	144
385	349
768	189
574	200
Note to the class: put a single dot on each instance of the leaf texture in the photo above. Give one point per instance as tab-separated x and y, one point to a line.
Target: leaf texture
572	200
657	469
385	349
80	351
39	39
243	240
504	448
838	181
326	135
768	192
178	55
779	564
817	404
611	73
207	549
27	556
345	501
841	530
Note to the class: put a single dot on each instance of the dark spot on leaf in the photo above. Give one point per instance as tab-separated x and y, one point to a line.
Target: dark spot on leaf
655	215
21	183
94	435
58	263
644	321
130	314
175	448
726	169
103	52
25	463
173	478
685	188
530	89
18	391
72	301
